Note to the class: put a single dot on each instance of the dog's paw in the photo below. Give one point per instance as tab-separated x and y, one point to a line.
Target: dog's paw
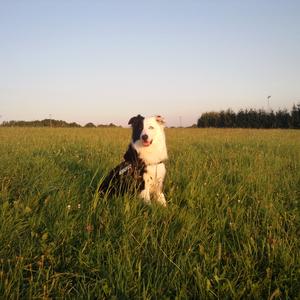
161	199
145	195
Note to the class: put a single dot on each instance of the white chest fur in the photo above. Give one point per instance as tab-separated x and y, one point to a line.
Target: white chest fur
154	178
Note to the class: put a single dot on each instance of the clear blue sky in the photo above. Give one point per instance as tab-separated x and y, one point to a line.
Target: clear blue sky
105	61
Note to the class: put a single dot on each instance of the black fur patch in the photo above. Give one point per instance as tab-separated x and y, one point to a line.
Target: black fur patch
137	124
127	176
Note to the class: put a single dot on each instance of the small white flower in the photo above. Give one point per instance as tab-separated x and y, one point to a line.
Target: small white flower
68	206
78	206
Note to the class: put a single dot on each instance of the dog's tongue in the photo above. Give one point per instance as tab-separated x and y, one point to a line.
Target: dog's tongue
146	143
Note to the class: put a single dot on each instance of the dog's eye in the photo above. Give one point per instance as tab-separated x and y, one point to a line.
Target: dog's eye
150	127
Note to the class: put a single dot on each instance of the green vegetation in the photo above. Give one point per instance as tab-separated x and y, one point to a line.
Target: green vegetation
251	118
50	123
231	229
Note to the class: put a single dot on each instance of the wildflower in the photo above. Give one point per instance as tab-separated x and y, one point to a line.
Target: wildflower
272	242
89	228
47	200
28	210
78	206
68	206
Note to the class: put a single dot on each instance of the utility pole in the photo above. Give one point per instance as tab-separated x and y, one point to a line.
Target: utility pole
268	100
50	117
180	121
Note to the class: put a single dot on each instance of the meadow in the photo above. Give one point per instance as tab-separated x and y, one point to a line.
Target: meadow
231	229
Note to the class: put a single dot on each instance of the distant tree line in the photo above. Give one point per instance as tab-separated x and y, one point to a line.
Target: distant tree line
251	118
50	123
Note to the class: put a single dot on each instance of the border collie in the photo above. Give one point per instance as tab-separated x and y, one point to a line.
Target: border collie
143	169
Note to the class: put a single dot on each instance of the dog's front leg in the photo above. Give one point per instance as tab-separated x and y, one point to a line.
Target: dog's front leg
145	195
161	199
158	190
159	195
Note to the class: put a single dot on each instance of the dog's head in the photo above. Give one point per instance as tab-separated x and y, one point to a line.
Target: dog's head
146	131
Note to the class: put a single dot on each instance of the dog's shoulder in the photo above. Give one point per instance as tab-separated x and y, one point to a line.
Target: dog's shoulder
131	155
129	172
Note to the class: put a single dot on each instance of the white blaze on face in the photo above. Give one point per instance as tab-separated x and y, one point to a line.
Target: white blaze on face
152	144
150	132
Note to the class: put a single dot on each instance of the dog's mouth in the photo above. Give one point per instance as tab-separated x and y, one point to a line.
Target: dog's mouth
147	143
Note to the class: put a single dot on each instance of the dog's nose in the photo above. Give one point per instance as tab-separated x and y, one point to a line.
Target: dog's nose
145	137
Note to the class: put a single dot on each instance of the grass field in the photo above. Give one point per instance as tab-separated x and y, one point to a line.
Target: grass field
231	229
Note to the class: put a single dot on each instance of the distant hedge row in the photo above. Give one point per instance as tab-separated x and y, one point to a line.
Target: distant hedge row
251	118
49	123
248	118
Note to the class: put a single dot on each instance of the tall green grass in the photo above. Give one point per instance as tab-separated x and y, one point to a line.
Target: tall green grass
231	228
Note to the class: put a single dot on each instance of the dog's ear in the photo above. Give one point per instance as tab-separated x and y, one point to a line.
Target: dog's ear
132	121
160	120
135	119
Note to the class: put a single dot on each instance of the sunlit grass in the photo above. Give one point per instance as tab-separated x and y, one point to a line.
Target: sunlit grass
231	229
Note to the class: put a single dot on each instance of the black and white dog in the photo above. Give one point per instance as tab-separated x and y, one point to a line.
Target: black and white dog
143	169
